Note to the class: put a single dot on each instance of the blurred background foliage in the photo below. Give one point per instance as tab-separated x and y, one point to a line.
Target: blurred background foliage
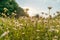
8	7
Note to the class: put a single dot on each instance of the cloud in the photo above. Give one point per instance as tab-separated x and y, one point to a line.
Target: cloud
53	1
56	1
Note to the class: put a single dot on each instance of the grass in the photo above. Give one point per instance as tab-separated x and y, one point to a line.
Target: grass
29	29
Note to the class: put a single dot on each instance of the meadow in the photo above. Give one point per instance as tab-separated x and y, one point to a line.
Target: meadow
25	28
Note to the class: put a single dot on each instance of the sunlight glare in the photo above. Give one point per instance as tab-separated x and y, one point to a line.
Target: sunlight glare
31	11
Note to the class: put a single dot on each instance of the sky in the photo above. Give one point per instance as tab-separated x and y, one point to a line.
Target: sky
38	6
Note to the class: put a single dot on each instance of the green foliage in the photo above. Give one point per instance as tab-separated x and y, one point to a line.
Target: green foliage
9	6
20	12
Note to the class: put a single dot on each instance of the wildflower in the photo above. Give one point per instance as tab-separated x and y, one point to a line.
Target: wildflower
39	21
17	25
4	34
37	30
5	9
32	20
21	24
16	22
49	7
57	30
37	37
23	33
7	28
55	37
53	20
13	13
51	30
45	21
46	27
3	19
58	26
15	28
4	15
52	27
58	12
46	34
56	19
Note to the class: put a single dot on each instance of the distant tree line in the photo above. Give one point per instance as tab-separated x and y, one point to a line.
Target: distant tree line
8	7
